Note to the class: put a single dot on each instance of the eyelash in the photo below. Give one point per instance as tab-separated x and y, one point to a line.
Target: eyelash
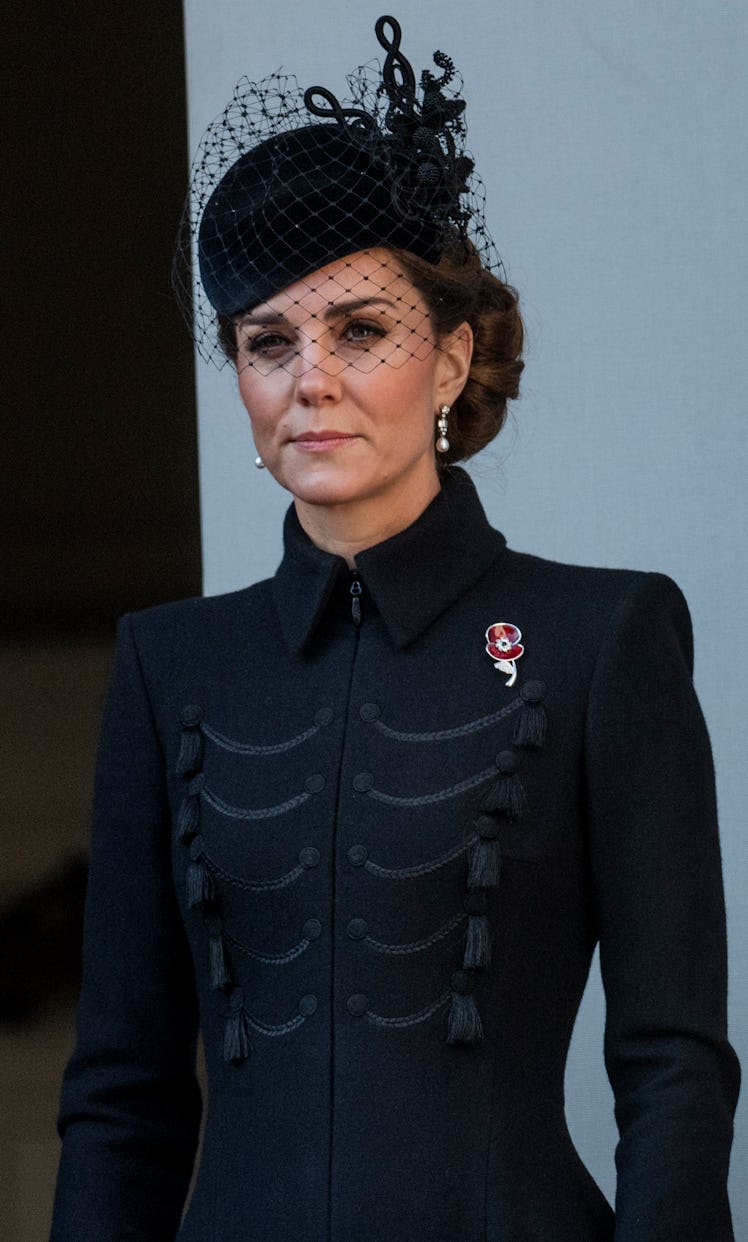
265	343
372	330
271	344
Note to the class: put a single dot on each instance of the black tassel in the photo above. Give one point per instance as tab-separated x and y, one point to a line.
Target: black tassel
191	747
485	860
464	1024
199	885
219	974
530	731
478	944
188	823
484	865
531	726
236	1045
199	881
507	797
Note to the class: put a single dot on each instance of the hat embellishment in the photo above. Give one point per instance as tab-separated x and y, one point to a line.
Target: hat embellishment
504	647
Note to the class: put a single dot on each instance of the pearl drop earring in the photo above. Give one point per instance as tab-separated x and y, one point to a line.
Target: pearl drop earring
259	463
442	443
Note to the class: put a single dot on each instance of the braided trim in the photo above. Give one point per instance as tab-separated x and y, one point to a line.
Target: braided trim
240	812
443	735
250	748
408	873
411	1019
441	796
283	1028
272	959
253	886
417	946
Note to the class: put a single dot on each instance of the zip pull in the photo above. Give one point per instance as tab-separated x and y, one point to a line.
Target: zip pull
356	590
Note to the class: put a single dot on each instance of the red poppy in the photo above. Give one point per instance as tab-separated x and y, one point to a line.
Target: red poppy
502	641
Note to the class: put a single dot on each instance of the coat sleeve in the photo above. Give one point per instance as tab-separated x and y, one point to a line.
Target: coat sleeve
130	1103
658	888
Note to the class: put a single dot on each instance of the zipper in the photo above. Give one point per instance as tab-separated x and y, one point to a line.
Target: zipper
356	590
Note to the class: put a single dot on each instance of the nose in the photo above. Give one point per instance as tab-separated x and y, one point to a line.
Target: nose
317	374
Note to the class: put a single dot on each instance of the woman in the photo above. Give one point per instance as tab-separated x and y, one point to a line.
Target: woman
369	819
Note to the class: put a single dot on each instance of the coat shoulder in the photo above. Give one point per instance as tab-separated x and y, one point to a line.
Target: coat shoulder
202	622
595	591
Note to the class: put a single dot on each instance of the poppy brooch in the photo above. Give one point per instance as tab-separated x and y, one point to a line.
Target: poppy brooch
504	648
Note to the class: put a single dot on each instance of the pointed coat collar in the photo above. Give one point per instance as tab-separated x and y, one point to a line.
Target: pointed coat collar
412	577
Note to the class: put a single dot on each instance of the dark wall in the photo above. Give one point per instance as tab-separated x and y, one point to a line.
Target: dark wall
99	477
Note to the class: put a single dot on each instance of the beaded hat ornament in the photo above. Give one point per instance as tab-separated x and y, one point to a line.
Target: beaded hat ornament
303	211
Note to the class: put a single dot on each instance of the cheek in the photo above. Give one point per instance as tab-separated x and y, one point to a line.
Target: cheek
258	398
243	385
407	393
406	432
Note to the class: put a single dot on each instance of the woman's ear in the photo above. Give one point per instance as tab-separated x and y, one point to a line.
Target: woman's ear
455	356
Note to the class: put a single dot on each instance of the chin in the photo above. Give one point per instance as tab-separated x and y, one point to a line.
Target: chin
327	492
327	486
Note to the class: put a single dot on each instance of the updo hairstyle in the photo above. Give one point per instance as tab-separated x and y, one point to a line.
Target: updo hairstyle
459	289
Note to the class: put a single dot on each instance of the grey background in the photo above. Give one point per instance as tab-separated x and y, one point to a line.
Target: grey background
611	141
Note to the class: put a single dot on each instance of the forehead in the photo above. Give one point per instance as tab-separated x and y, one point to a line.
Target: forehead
365	275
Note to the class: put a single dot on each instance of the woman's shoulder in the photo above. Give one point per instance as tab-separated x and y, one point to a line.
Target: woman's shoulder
201	619
595	598
572	576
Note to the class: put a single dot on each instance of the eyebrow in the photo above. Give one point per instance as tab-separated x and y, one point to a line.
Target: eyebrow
334	310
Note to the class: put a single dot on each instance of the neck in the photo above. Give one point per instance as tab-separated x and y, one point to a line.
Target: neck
346	530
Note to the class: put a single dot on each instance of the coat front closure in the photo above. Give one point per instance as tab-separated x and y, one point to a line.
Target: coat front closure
392	856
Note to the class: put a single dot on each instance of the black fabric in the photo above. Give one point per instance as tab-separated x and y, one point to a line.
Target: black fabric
412	578
287	181
331	797
294	204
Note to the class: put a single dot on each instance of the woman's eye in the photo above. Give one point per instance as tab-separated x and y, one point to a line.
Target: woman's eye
267	344
361	331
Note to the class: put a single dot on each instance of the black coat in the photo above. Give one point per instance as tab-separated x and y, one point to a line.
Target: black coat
378	869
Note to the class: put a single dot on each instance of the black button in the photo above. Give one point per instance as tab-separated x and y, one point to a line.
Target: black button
370	711
475	903
324	716
312	929
362	782
308	1005
534	691
309	856
314	784
507	761
191	715
487	827
357	855
462	982
357	1004
357	929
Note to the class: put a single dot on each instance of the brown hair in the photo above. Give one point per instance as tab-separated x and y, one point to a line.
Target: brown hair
460	289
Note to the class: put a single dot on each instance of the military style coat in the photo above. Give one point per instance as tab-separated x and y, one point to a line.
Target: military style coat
366	832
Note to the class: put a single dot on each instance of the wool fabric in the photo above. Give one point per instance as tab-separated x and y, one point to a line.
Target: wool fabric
373	863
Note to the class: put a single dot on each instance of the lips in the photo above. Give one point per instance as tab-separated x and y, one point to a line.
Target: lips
317	436
318	441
